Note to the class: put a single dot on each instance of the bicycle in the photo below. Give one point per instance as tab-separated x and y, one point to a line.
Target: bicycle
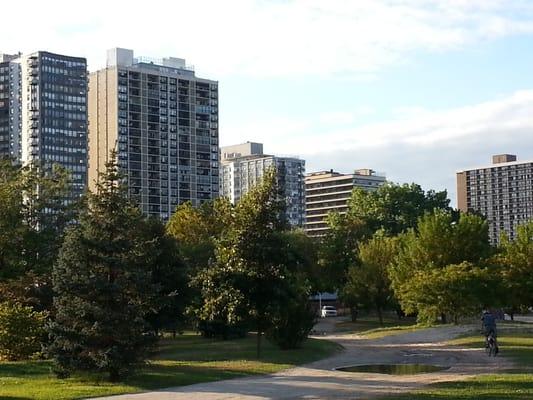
490	346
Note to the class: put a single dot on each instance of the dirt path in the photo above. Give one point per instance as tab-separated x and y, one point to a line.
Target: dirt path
319	380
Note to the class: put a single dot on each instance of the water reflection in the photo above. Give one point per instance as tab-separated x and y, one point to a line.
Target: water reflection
394	369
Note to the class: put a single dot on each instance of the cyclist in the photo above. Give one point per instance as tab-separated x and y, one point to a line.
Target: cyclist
488	322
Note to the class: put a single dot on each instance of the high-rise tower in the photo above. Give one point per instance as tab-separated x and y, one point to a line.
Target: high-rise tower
243	166
162	120
43	112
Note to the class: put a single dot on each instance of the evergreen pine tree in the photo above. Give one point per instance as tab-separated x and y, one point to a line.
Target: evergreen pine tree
103	285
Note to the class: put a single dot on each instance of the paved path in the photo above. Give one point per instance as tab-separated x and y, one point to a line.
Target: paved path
319	380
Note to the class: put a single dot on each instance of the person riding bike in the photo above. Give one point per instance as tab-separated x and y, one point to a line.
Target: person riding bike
488	322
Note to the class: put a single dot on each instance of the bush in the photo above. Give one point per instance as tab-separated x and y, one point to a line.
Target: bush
220	330
21	331
292	325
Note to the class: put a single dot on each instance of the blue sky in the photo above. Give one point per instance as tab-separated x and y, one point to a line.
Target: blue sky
414	88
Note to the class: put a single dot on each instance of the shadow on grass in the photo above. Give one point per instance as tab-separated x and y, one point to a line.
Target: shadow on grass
159	376
182	361
24	368
14	398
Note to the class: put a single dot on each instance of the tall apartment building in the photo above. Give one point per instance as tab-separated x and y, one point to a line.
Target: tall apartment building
502	192
329	191
162	120
10	106
243	166
43	112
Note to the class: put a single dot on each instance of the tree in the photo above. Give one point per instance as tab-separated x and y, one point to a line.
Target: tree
368	283
244	282
294	318
456	290
439	243
169	275
46	215
33	217
21	331
104	286
516	262
338	249
393	207
197	228
12	228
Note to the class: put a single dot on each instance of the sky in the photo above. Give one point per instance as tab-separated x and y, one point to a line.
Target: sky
414	89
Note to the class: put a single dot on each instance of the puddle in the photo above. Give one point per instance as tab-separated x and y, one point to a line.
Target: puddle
394	369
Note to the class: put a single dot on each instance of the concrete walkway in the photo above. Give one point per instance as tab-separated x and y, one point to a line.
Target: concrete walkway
320	380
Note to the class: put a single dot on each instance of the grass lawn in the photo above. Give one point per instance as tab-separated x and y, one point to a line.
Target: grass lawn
370	328
182	361
517	345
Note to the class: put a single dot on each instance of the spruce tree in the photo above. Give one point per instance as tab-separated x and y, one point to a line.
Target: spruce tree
103	285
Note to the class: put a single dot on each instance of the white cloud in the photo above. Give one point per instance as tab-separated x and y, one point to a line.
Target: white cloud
424	127
262	38
429	146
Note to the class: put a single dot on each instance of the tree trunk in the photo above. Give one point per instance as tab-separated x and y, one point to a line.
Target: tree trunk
114	376
455	319
443	318
380	316
259	333
353	314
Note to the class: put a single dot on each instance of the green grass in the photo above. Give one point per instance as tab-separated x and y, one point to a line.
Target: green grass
486	387
517	345
370	328
186	360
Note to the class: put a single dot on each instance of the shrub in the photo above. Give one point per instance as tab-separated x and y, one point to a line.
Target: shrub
292	325
21	331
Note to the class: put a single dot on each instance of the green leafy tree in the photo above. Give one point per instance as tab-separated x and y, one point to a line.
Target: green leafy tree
12	228
456	290
439	243
516	262
104	286
393	207
245	280
21	331
169	275
46	215
33	217
294	318
338	249
196	230
368	284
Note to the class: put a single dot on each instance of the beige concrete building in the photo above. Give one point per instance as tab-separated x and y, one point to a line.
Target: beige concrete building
329	191
163	122
502	192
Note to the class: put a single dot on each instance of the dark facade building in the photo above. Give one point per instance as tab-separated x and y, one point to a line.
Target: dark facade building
162	120
43	113
10	108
